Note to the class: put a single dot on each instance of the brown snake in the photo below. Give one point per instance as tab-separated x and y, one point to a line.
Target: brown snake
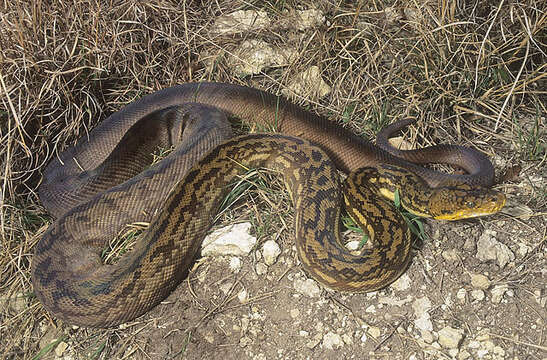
80	188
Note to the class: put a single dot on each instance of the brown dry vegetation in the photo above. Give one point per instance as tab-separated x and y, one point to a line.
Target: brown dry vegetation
473	72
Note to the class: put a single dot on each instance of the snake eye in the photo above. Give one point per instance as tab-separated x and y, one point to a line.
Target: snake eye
470	204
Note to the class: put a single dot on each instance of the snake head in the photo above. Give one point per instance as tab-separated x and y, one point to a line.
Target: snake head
463	201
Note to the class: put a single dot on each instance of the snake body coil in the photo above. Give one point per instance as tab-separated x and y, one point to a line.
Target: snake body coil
104	182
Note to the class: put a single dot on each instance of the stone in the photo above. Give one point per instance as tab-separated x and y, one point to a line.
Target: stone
307	287
332	341
402	283
270	252
374	331
478	295
241	21
480	281
488	248
235	264
353	245
314	341
253	56
463	355
243	296
261	268
308	84
450	338
61	348
309	19
421	307
497	293
230	240
427	336
461	295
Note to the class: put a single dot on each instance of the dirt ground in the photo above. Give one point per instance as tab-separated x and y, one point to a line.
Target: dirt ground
472	73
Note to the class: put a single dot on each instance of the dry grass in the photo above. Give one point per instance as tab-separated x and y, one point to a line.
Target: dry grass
473	73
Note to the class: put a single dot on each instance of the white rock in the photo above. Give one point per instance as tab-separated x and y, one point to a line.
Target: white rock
253	56
241	21
314	342
308	84
421	307
226	287
347	339
261	268
61	348
477	295
488	248
243	296
461	295
401	143
481	353
374	331
307	287
230	240
463	355
497	293
424	323
371	309
235	264
353	245
450	338
309	19
474	344
402	283
480	281
270	252
295	313
427	336
523	250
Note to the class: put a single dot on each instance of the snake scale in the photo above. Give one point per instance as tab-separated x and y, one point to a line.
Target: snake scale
106	181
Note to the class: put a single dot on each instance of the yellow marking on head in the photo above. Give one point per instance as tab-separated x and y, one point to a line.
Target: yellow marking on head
418	213
390	195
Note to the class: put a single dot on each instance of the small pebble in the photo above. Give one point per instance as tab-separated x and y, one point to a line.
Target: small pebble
461	295
307	287
480	281
450	338
477	295
270	252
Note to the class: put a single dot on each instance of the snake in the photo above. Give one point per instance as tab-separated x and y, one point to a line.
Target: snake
110	178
